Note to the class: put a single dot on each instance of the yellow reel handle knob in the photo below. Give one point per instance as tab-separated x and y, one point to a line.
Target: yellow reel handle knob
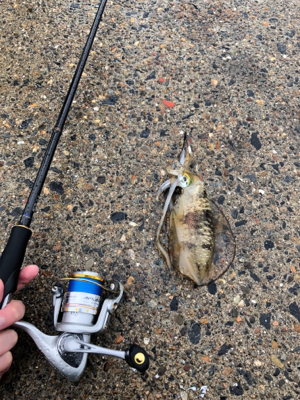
137	358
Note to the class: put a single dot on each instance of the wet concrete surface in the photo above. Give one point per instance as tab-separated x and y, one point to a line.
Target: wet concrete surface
228	74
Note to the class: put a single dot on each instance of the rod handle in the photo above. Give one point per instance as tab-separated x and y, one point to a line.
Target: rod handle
12	259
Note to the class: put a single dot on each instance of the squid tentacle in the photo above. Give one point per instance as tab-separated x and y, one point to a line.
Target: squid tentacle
182	156
163	187
165	209
186	150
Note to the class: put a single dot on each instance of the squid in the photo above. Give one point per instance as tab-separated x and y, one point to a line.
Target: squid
201	243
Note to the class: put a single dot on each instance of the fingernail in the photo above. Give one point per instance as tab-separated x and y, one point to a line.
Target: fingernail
1	322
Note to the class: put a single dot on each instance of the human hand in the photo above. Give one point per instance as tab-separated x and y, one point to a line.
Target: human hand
11	313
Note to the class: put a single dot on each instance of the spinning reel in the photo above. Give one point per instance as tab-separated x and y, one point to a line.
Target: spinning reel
78	313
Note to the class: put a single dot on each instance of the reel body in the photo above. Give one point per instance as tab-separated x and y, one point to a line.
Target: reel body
78	313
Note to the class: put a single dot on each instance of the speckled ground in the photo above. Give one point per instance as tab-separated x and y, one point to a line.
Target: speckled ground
231	69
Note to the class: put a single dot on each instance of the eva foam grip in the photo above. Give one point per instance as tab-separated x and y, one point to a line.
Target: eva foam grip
12	259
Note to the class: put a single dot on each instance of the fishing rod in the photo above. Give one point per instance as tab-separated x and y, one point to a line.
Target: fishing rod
84	308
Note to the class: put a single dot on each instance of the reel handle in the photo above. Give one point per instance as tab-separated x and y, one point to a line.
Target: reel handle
136	357
12	259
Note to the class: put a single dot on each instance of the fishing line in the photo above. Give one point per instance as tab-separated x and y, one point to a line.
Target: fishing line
77	17
131	66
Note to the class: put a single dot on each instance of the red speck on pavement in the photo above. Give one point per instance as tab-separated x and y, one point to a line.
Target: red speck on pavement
168	104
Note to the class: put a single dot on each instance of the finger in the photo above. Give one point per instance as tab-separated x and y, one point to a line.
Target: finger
5	363
8	340
27	274
11	313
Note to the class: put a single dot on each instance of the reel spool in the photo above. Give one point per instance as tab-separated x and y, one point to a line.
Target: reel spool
79	312
82	300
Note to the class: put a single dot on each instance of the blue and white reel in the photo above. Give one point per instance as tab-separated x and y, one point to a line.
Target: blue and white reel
78	313
82	300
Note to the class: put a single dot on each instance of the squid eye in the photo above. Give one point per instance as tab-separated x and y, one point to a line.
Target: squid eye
184	180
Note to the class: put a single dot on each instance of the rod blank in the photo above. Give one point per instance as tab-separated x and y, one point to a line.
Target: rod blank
57	131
